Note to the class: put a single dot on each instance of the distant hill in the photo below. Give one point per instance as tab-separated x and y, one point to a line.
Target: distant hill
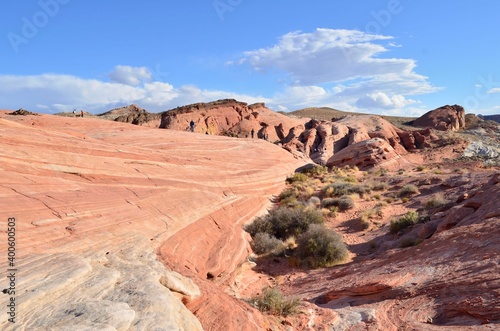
495	118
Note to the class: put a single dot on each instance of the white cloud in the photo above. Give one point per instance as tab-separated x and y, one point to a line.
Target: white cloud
381	100
494	90
327	55
343	68
55	93
127	75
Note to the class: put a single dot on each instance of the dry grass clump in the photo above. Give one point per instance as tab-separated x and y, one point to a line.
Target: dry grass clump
421	168
407	220
370	214
435	202
297	178
408	190
273	302
316	171
343	188
343	203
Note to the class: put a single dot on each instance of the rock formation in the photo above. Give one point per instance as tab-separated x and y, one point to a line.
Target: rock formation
230	117
368	154
446	118
132	114
22	112
118	226
317	140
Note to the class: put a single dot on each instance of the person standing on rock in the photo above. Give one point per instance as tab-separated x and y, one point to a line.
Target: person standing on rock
81	113
253	133
191	125
74	112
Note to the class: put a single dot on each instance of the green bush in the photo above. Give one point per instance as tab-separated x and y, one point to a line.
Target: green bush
297	177
264	243
272	301
285	222
409	219
321	247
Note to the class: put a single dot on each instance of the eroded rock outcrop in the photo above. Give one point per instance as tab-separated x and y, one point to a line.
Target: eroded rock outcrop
315	139
446	118
133	114
368	154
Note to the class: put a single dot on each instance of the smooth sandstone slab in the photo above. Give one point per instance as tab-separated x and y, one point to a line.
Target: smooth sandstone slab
96	201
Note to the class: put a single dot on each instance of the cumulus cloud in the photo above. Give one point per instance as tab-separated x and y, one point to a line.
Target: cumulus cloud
381	100
127	75
55	93
340	67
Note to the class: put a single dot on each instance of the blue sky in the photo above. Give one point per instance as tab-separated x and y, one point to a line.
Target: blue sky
400	57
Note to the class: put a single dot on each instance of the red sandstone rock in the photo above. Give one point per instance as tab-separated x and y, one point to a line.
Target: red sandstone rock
96	201
446	118
367	154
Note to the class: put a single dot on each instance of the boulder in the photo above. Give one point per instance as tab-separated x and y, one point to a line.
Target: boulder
368	153
446	118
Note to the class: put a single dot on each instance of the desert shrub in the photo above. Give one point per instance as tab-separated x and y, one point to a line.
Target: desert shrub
435	202
377	197
297	177
421	168
342	203
346	203
343	188
313	201
378	186
404	200
285	222
259	225
289	196
409	242
408	190
264	243
350	179
305	192
409	219
389	200
329	202
272	301
321	247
